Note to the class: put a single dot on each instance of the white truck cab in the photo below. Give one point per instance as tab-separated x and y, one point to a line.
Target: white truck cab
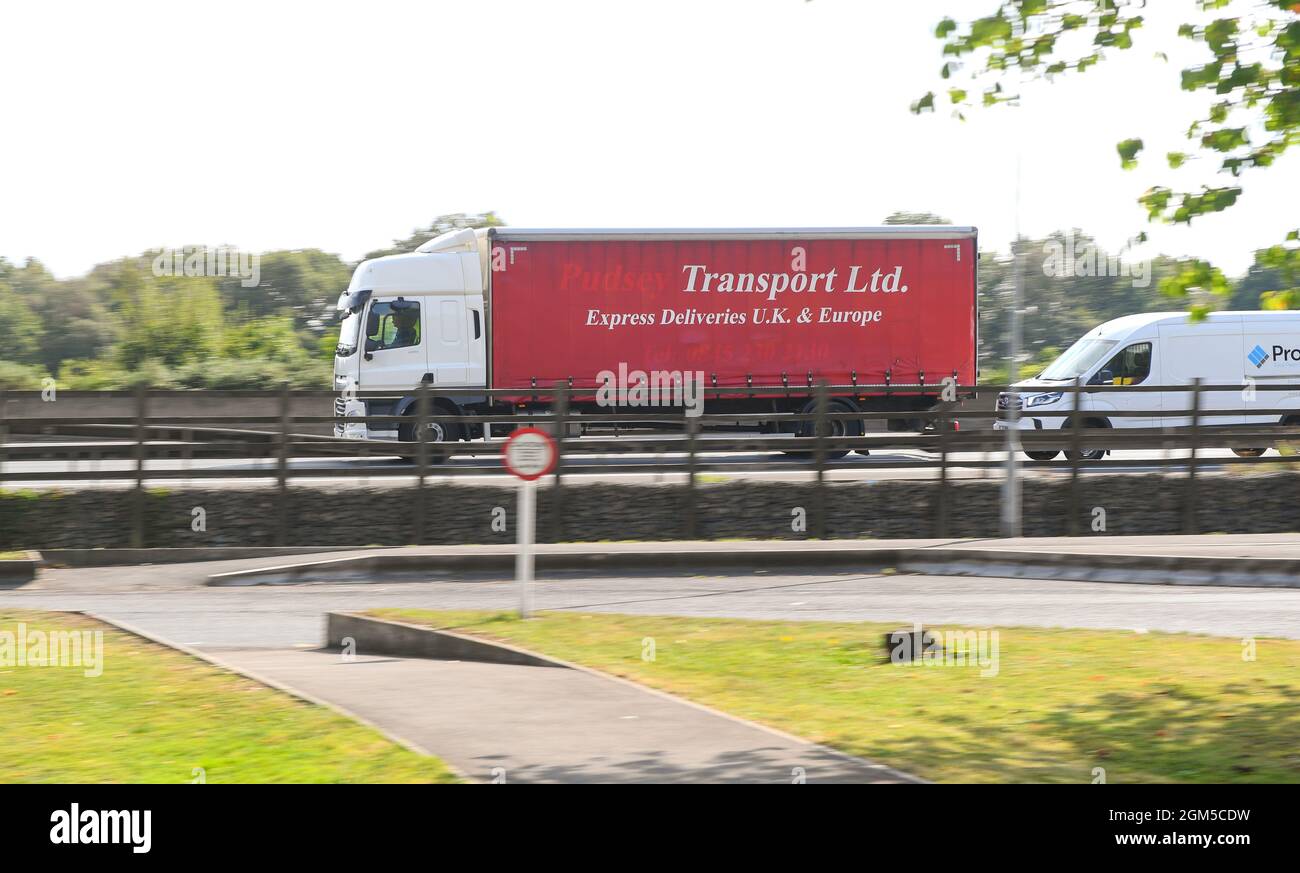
1169	350
410	319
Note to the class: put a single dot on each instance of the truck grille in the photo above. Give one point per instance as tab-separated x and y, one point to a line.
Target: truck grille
340	407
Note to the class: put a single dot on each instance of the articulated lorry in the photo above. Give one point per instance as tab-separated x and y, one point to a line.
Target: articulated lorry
723	321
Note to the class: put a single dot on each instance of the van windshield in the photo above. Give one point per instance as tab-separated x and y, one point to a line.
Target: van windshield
1077	360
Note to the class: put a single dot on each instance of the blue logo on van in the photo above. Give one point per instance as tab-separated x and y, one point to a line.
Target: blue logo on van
1257	356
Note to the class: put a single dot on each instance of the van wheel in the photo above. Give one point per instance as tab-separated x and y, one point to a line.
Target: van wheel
842	428
1041	456
1088	454
435	432
1248	453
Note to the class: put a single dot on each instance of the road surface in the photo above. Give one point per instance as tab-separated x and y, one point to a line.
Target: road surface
619	468
172	600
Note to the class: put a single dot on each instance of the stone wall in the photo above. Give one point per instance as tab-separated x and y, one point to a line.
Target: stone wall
457	514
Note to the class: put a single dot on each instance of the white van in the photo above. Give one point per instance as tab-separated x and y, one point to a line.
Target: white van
1168	349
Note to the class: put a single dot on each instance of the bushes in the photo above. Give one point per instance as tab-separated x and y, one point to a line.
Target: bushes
228	373
20	377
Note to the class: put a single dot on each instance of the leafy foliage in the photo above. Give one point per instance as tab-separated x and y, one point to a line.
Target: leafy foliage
1251	77
440	225
122	325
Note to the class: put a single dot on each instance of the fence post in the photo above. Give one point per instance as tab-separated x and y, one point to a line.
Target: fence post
941	524
421	460
137	497
821	404
561	409
692	429
1190	522
282	470
1076	448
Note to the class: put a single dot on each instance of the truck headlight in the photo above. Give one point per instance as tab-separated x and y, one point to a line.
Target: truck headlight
1044	399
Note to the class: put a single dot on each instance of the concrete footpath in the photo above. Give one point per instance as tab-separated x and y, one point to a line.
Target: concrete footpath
502	722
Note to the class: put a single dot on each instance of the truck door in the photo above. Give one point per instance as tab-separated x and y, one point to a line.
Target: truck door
393	357
448	348
1130	366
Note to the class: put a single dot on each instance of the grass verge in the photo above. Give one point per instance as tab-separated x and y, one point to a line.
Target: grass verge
1144	707
157	715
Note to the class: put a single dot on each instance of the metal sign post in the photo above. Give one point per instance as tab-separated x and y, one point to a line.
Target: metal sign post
527	522
530	454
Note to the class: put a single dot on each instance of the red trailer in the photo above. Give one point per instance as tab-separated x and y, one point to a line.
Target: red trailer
875	307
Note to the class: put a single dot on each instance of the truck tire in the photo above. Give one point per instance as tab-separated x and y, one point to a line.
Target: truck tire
1041	456
1089	454
837	428
438	431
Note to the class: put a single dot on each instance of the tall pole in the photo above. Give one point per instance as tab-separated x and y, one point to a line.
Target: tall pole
1011	521
524	553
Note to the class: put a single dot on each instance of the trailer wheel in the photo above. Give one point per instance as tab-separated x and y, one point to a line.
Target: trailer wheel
838	428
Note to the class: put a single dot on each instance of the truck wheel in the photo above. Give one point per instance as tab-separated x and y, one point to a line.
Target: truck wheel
1248	453
1089	454
436	431
1041	456
840	428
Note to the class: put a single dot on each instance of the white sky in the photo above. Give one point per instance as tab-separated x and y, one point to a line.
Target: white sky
130	126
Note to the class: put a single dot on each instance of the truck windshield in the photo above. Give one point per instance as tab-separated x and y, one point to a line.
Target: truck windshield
349	335
1077	360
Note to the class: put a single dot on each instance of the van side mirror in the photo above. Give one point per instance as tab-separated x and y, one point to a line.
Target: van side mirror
1105	377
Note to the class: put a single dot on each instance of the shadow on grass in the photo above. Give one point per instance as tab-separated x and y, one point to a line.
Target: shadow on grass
1168	735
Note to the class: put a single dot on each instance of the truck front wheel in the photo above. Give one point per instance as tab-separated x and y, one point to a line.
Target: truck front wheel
1088	453
434	431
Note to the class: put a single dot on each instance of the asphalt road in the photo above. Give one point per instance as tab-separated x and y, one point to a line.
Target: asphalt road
172	601
664	468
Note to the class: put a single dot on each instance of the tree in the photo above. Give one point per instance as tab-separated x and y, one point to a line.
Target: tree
303	285
23	328
440	225
1070	285
171	320
915	218
1252	75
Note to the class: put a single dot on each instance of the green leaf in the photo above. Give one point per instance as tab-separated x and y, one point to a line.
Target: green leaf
1128	151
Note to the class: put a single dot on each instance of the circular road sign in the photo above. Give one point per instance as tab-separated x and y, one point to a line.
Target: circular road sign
530	453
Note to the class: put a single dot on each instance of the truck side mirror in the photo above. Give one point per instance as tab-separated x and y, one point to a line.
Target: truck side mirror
372	345
372	323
